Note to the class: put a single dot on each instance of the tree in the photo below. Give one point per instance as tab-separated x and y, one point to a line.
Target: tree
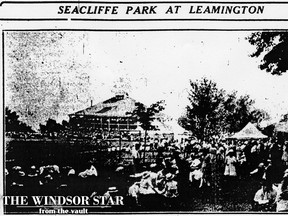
13	124
65	124
204	114
274	48
237	112
259	115
214	112
146	115
51	127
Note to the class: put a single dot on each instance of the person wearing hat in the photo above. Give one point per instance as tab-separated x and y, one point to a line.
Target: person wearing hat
33	172
196	175
160	179
284	157
17	170
136	157
282	195
142	190
147	174
170	166
170	191
112	191
220	160
145	184
265	197
17	176
195	163
259	172
230	162
133	192
207	164
242	168
269	173
230	173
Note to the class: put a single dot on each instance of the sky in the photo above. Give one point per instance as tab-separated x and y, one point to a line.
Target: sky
150	66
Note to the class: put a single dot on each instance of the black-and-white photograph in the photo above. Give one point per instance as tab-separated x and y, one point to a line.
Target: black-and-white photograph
179	121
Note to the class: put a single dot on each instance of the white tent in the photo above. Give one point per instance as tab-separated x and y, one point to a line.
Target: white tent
176	128
249	132
282	127
161	128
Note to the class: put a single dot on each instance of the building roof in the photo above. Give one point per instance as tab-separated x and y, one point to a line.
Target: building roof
117	106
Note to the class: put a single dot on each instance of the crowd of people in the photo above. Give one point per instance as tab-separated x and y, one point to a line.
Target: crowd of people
217	167
180	171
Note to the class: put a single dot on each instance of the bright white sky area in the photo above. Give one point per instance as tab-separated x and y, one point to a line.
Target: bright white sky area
159	65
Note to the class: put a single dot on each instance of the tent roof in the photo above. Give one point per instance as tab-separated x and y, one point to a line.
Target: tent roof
249	132
282	127
161	127
118	106
176	128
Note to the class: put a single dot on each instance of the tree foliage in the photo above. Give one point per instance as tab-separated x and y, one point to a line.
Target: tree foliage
13	124
214	112
274	48
52	126
259	115
236	111
146	115
203	115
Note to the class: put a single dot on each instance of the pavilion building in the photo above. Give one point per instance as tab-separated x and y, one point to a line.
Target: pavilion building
114	114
